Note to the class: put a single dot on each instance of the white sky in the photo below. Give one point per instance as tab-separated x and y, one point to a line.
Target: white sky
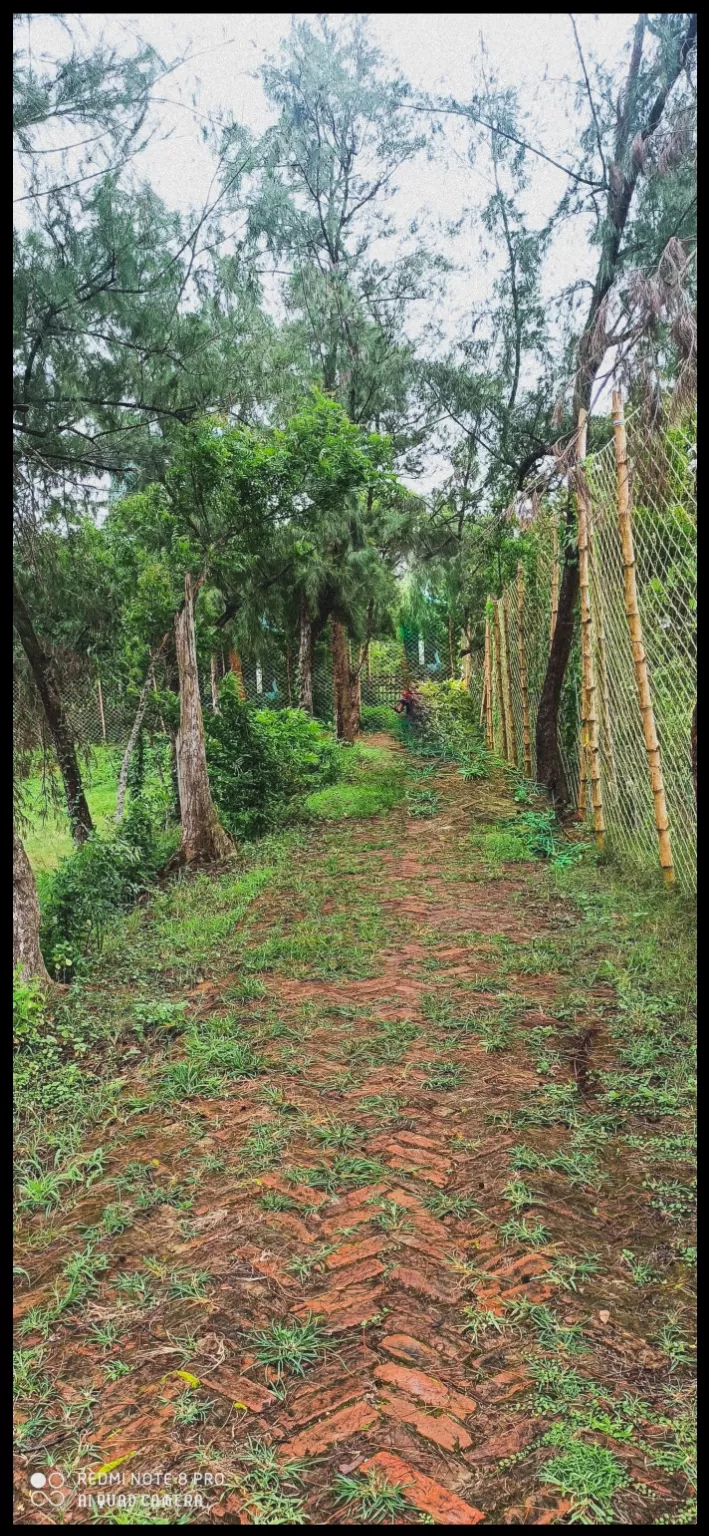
437	53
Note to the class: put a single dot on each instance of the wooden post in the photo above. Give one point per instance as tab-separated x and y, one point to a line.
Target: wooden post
636	641
507	673
527	740
489	734
483	699
100	709
589	718
554	580
498	679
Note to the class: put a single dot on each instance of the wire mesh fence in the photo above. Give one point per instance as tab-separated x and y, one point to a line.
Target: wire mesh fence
663	520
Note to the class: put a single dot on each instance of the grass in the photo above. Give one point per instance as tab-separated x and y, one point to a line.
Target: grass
288	1346
48	838
371	1499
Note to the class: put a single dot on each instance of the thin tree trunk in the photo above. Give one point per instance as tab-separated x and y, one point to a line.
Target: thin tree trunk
100	709
489	733
213	682
305	660
132	739
345	719
450	644
43	674
202	837
238	671
288	677
25	915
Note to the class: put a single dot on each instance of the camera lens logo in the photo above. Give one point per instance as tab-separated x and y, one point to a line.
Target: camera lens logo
49	1488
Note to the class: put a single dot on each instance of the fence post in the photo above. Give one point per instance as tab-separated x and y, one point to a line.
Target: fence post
489	735
522	670
589	719
636	641
527	740
554	580
505	638
498	678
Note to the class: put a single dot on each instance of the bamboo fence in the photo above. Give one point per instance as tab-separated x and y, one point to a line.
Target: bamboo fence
630	689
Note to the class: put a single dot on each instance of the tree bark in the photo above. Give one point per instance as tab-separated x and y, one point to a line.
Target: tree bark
345	704
25	915
43	674
213	680
236	667
203	838
305	660
694	752
550	769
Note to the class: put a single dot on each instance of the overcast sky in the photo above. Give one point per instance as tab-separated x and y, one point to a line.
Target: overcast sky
437	53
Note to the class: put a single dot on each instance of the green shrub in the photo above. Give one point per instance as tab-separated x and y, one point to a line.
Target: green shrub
28	1008
506	847
449	727
101	878
378	717
260	761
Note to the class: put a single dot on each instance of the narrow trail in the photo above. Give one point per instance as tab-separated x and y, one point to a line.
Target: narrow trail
412	1014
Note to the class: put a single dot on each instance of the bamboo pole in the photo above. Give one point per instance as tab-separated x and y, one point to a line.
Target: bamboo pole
498	679
636	641
600	628
554	581
582	780
527	740
100	709
589	718
483	700
507	675
489	734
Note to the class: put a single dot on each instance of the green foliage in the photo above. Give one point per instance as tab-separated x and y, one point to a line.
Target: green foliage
28	1010
378	717
100	879
260	761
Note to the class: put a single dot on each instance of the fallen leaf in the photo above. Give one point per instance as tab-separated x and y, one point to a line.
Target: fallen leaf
604	1316
192	1381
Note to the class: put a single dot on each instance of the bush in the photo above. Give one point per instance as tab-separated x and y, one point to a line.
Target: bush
450	725
260	761
378	717
101	878
28	1008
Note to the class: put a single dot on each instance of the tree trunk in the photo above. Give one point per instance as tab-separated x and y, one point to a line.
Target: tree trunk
236	667
305	661
550	769
43	674
694	752
203	838
345	715
130	746
213	682
25	915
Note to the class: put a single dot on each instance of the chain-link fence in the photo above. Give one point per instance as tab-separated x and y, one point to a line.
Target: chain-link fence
663	525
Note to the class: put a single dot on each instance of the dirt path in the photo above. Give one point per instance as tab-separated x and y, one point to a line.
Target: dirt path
413	1210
